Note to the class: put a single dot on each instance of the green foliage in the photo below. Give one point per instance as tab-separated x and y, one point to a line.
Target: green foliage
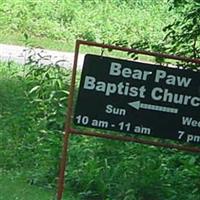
32	119
14	187
183	35
33	100
115	170
98	169
96	20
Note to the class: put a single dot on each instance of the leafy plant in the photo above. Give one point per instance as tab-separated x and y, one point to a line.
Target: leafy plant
183	35
35	112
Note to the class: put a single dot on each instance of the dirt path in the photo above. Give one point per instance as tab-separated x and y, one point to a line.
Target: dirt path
20	54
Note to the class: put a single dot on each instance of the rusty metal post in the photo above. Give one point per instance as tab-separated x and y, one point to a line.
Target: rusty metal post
63	162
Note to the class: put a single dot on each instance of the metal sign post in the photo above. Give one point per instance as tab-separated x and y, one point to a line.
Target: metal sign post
63	162
133	98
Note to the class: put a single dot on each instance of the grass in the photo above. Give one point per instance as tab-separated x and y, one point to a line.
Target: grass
14	185
18	39
56	25
18	138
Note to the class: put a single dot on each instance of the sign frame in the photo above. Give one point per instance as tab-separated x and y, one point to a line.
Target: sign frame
70	112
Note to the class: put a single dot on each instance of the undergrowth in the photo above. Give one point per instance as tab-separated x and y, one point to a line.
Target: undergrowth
110	21
33	106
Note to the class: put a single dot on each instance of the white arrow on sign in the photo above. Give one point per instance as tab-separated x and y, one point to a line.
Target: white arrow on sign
137	105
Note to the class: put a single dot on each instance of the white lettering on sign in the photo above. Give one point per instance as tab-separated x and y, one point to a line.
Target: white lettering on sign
100	123
142	129
111	88
189	137
162	75
193	138
124	126
159	94
181	134
189	121
130	89
117	70
110	109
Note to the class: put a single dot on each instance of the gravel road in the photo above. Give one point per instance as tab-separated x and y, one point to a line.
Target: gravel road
20	54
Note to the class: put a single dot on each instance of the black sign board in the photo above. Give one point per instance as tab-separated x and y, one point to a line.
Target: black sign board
139	98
